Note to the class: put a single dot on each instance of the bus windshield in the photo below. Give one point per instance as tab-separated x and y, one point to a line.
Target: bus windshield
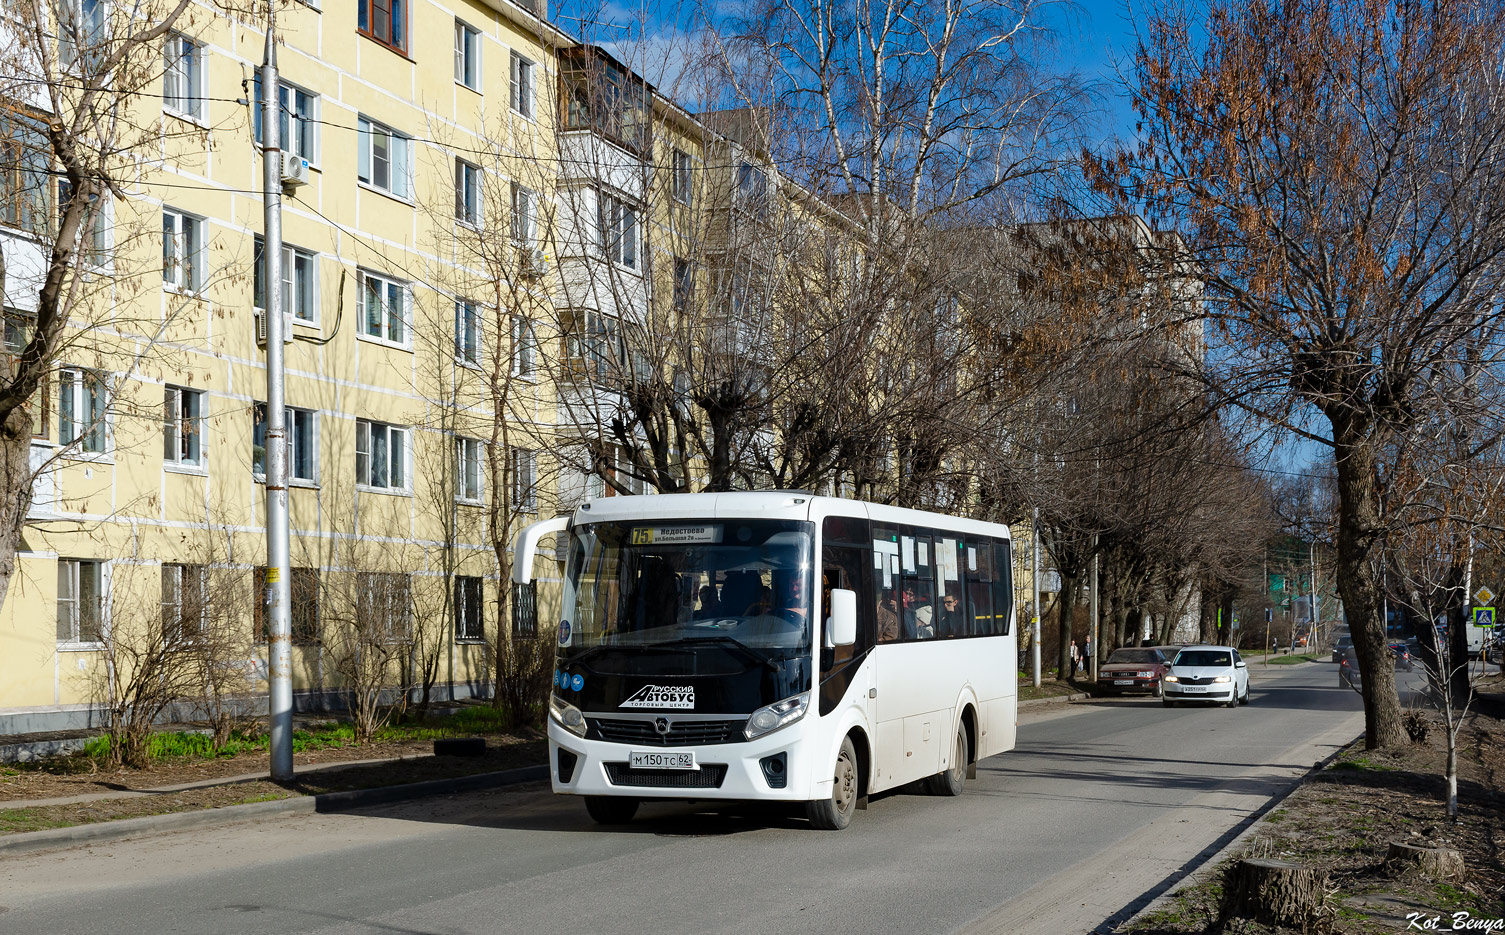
744	584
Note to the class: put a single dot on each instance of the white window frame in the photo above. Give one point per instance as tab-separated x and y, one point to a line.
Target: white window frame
184	63
299	421
524	479
467	333
293	119
620	224
183	421
396	165
70	571
182	250
470	479
391	290
467	55
397	445
175	576
521	84
467	193
523	224
470	609
682	183
524	348
300	282
86	20
80	416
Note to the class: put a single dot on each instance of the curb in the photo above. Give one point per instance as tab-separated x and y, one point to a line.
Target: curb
1212	861
30	841
1077	696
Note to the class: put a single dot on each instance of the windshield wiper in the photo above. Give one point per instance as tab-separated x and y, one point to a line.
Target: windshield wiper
734	644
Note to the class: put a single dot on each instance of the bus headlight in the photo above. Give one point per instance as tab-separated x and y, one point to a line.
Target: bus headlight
779	714
568	716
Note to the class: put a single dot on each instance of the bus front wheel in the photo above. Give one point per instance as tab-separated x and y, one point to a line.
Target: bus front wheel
611	810
950	781
835	813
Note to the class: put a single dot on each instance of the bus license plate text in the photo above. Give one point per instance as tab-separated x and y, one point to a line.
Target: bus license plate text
679	759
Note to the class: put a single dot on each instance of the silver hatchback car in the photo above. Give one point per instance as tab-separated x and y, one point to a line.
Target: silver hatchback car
1206	674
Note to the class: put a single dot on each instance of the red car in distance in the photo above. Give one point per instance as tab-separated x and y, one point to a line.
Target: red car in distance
1133	670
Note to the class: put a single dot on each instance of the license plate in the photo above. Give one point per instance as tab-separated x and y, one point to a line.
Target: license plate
1123	681
1195	688
679	759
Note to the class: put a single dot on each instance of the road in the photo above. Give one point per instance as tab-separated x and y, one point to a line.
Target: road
1099	804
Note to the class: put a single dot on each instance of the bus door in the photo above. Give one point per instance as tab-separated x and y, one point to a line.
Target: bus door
846	676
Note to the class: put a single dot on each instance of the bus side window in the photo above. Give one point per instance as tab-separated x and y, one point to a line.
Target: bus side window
979	574
1003	587
951	614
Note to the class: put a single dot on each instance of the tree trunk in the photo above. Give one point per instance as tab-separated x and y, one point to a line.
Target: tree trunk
16	478
1442	864
1066	606
1358	527
1273	892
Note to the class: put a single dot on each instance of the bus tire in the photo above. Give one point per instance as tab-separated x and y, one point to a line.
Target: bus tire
611	809
951	781
835	813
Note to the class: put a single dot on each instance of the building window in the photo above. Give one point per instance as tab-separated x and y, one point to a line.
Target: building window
380	455
303	591
592	344
93	243
184	602
752	188
298	282
301	442
524	215
298	127
524	610
25	171
81	26
82	397
385	21
468	480
684	284
183	77
467	56
467	333
383	158
383	605
524	347
182	250
618	222
467	192
520	86
524	480
19	327
682	182
80	601
183	426
470	622
383	308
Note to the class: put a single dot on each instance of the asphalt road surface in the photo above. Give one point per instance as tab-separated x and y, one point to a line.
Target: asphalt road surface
1099	805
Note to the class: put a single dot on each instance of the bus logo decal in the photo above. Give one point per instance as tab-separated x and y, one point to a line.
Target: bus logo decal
662	696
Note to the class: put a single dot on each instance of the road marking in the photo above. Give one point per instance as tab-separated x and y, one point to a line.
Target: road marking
1153	856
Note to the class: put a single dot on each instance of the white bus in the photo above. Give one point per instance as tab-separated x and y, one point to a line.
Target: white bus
775	646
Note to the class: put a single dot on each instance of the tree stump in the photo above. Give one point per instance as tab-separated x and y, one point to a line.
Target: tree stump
1435	863
1274	892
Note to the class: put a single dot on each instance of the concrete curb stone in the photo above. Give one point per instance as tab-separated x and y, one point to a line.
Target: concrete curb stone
30	841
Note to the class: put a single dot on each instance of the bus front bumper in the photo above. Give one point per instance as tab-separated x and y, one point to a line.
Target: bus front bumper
726	771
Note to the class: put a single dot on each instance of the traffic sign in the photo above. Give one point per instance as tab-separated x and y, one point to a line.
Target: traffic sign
1484	617
1484	595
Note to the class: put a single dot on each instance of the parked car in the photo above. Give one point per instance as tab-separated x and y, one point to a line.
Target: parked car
1206	673
1349	675
1339	648
1133	670
1403	658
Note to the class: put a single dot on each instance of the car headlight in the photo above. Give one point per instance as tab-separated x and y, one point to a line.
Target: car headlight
1222	678
779	714
1169	678
568	716
1145	675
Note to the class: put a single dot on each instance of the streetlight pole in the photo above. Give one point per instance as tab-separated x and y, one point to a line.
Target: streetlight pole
1034	576
1092	613
278	593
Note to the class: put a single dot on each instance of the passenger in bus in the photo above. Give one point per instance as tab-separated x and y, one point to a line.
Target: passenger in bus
793	604
918	616
888	617
740	594
951	623
710	604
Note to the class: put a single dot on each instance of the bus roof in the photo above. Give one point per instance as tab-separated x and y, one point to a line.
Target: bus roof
770	504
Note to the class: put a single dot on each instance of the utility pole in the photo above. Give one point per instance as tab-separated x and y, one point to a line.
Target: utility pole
1311	559
1034	577
278	593
1092	613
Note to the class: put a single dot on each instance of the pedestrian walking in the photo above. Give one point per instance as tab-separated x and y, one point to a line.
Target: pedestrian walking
1076	658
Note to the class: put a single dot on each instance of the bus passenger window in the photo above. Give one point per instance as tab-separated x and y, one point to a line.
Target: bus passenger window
950	620
1003	588
979	572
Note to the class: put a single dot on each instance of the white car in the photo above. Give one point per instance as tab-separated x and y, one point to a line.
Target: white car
1206	673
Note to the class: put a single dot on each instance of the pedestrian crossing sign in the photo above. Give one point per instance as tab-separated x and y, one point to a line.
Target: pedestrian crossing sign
1484	617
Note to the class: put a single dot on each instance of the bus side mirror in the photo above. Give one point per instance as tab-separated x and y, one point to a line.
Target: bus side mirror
526	548
841	625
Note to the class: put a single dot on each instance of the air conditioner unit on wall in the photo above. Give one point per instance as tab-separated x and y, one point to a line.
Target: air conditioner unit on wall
533	263
294	170
261	328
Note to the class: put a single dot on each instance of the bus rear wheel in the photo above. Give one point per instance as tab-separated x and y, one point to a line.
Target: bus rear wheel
951	781
835	813
610	809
